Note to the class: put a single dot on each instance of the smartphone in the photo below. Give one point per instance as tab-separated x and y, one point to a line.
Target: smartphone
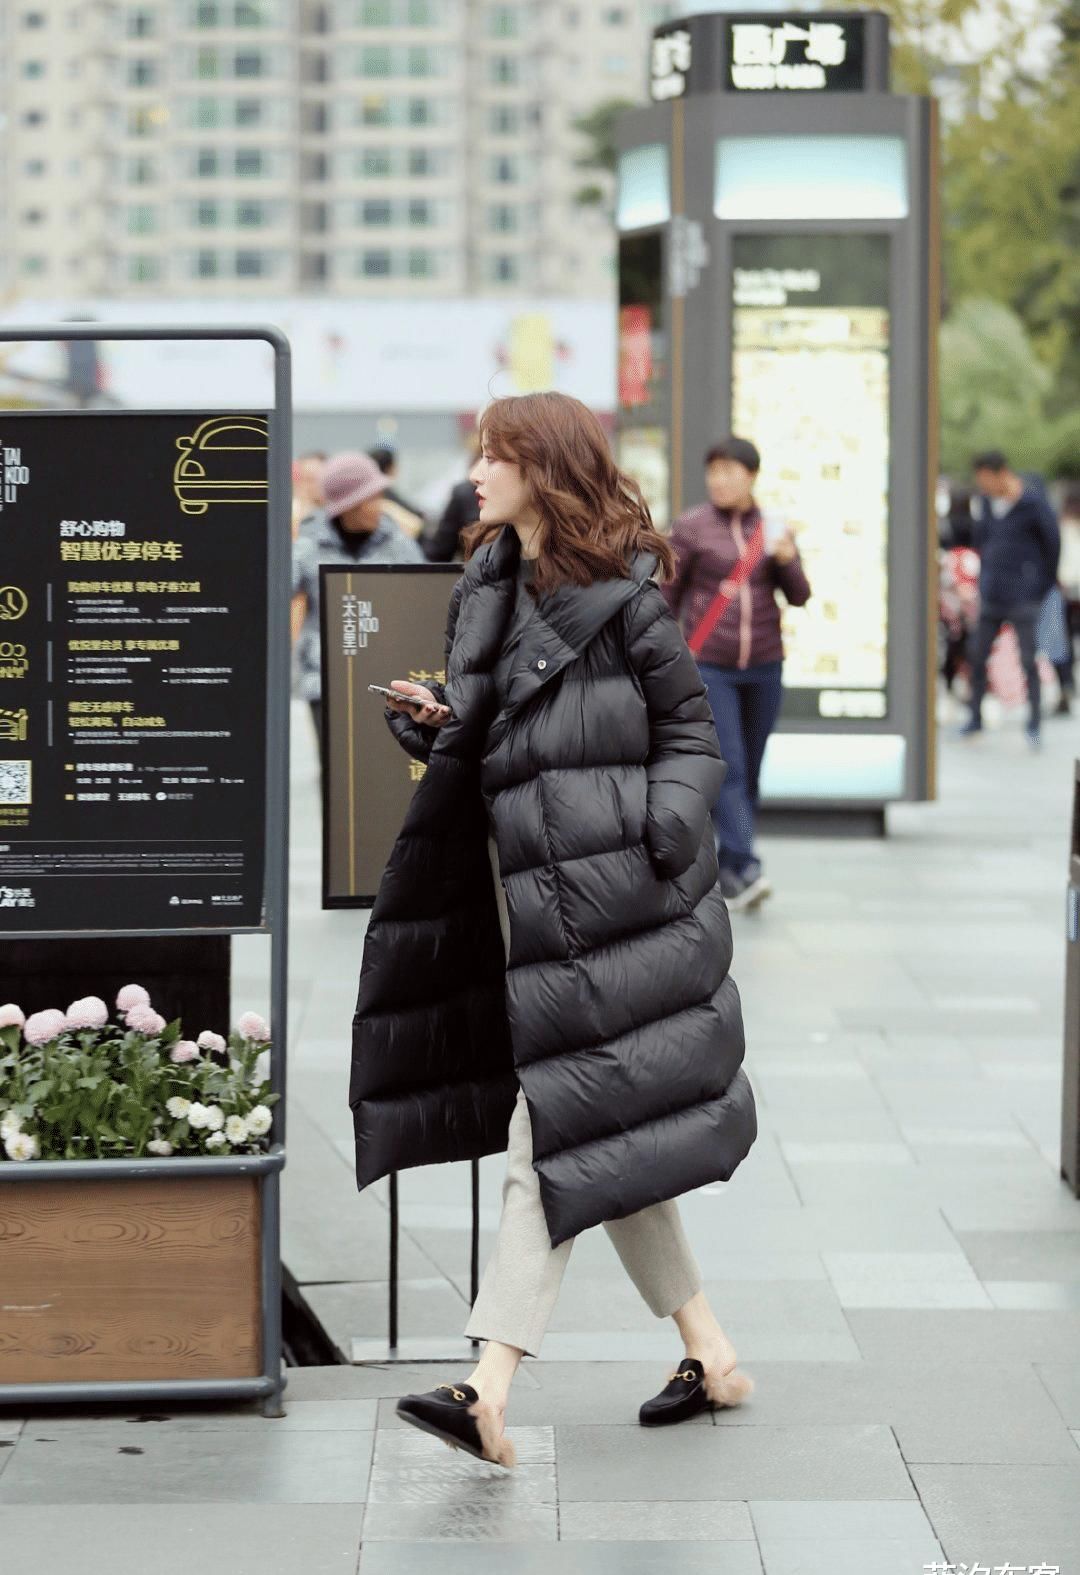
775	531
396	694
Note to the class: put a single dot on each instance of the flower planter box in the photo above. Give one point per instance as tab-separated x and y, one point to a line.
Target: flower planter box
139	1278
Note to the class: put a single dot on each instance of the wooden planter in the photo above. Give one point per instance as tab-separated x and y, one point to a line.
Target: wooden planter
137	1278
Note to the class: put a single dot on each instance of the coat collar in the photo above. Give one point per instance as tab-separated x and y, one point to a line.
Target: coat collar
565	620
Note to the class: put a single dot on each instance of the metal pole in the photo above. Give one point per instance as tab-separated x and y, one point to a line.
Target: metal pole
474	1268
393	1260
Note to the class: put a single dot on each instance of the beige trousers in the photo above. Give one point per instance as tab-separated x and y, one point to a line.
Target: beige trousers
521	1282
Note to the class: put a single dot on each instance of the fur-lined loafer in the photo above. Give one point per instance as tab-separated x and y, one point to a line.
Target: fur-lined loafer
690	1391
456	1414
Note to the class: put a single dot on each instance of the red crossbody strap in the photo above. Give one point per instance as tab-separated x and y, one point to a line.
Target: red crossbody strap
723	599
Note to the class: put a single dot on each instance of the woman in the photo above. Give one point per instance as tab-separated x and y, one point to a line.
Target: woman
730	563
599	1041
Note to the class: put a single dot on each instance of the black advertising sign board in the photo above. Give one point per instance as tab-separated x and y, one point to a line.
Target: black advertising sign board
379	622
133	603
771	52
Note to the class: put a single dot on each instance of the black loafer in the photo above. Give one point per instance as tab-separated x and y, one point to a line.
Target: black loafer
690	1391
454	1413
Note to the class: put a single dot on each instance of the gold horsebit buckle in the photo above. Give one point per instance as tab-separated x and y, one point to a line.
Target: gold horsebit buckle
689	1375
457	1394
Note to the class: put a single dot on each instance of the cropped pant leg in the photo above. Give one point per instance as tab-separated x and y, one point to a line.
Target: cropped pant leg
521	1282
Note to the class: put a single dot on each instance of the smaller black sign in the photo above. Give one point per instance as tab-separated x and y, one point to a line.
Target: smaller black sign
771	52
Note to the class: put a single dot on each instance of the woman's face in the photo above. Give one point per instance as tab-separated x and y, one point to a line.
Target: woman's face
730	485
501	490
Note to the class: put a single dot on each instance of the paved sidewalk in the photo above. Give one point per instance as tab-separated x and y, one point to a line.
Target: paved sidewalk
897	1262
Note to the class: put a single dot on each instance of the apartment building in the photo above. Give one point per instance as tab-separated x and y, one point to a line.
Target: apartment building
337	147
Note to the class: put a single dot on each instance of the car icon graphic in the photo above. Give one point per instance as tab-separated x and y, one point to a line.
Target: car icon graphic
222	461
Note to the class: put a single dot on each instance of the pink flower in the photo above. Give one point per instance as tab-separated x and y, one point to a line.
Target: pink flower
43	1026
145	1020
252	1026
184	1050
90	1012
11	1016
132	995
210	1042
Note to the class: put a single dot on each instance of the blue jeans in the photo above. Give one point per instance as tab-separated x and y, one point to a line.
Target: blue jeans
745	703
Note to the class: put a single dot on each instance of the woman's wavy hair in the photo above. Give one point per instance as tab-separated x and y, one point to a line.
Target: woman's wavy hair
594	517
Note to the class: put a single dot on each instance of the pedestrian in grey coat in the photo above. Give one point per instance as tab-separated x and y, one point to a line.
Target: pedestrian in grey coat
351	530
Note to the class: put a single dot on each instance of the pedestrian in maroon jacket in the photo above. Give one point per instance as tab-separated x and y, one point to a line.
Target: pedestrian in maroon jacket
731	561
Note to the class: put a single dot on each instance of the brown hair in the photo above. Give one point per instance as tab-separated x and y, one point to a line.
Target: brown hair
594	518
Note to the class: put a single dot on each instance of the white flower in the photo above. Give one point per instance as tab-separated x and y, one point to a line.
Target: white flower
260	1072
132	995
183	1050
10	1123
215	1140
178	1108
236	1129
22	1145
259	1121
159	1146
89	1012
11	1016
196	1115
252	1026
215	1117
210	1042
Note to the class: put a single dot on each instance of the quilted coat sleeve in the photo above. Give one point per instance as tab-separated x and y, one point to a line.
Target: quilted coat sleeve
684	768
415	737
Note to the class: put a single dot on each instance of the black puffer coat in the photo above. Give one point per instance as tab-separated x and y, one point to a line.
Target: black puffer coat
616	1012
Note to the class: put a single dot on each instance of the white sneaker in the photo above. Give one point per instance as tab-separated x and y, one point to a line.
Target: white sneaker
752	894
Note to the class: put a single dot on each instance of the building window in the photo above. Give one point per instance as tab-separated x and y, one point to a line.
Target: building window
33	69
142	269
504	171
375	265
377	13
375	161
377	61
249	161
503	21
141	172
206	265
142	219
34	117
34	266
615	16
420	212
207	14
250	215
505	269
423	63
504	119
142	73
248	14
420	265
422	161
32	216
503	218
420	112
33	19
248	112
206	214
375	213
34	167
615	65
250	65
374	111
206	162
207	65
504	70
140	24
250	265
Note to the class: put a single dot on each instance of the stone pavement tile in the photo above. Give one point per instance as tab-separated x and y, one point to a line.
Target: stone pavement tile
164	1467
407	1446
978	1200
603	1463
128	1424
1062	1383
725	1521
567	1558
1044	1295
10	1427
795	1124
214	1539
1022	1255
825	1184
843	1520
925	1141
850	1557
781	1321
472	1522
412	1468
997	1514
860	1224
429	1307
846	1152
904	1279
986	1337
837	1091
939	1411
369	1382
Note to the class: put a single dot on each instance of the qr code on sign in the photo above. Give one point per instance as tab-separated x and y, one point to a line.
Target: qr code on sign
14	781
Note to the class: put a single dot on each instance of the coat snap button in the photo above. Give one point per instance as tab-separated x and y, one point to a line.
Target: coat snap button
541	664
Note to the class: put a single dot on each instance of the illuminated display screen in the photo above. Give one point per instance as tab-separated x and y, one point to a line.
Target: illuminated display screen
643	454
642	331
811	389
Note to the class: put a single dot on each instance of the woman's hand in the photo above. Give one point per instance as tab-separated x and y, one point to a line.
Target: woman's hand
431	713
785	550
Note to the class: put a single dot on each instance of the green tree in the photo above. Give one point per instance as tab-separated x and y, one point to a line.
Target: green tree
601	154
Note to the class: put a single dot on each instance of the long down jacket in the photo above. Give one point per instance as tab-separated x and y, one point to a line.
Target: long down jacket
615	1012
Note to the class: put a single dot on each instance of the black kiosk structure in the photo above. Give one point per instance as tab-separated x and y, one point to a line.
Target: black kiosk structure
778	257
